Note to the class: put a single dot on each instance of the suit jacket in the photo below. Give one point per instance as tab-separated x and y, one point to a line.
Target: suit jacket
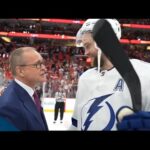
18	108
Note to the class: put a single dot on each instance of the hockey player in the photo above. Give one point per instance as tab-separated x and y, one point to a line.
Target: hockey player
102	93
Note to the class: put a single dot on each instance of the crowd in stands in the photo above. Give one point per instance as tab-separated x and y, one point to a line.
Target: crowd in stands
138	52
134	34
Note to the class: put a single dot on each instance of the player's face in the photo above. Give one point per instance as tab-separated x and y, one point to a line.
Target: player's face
90	48
89	45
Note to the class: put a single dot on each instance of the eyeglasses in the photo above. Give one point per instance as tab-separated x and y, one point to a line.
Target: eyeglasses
36	65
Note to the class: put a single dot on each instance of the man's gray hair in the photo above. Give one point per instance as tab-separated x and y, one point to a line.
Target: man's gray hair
16	58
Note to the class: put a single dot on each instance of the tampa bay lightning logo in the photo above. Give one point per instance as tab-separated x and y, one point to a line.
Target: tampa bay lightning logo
94	108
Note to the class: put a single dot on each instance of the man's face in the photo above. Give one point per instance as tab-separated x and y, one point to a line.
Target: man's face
89	45
33	70
90	48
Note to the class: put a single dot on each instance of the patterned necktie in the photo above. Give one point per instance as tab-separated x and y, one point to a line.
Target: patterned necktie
37	101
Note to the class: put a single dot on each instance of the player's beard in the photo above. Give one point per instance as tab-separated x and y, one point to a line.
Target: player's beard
103	62
95	62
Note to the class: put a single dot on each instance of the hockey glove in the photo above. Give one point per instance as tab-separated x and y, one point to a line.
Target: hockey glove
135	122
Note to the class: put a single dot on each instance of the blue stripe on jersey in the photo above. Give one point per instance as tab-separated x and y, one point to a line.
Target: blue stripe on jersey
74	122
112	119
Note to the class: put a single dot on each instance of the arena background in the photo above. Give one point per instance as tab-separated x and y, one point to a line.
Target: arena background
55	40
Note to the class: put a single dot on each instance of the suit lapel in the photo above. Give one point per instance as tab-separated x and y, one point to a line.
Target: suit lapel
28	102
44	120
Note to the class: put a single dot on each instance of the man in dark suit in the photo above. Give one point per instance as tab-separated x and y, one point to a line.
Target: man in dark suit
18	107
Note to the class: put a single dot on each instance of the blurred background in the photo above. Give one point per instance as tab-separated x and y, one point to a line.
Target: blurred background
55	40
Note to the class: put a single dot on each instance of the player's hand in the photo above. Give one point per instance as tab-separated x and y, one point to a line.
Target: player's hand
139	121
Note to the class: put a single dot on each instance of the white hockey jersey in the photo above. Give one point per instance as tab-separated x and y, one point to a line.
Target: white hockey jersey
101	95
